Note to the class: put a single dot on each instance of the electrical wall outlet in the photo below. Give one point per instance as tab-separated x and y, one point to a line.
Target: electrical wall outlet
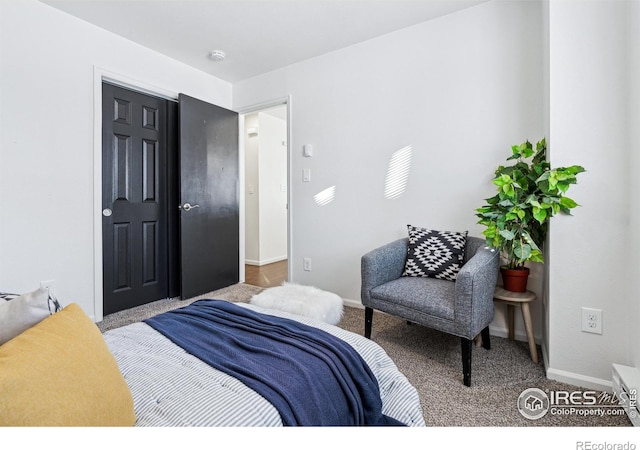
306	264
592	320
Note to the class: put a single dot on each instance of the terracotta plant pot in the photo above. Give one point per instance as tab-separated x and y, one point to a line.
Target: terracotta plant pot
515	280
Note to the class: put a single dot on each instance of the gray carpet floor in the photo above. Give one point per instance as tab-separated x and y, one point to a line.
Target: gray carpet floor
431	361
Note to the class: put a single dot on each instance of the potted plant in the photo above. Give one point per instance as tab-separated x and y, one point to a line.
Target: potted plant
530	192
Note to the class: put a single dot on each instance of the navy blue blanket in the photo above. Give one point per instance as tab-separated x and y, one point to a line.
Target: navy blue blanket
310	376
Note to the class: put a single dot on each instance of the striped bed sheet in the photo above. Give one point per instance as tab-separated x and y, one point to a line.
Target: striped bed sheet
173	388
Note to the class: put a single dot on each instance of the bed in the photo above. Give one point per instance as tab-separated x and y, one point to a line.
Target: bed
160	384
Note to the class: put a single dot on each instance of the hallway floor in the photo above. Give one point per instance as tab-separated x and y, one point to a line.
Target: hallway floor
269	275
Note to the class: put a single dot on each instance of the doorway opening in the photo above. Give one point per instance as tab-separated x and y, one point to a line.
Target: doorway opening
266	196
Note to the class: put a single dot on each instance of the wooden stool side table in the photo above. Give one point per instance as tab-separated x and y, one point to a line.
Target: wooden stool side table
522	299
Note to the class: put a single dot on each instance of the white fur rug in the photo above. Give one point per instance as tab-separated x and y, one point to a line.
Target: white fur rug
305	301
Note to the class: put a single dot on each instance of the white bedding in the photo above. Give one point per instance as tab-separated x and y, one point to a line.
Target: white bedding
173	388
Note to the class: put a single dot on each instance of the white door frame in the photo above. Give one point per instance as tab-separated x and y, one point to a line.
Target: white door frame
285	101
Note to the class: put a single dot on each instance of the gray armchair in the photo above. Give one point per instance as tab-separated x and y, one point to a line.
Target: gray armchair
463	307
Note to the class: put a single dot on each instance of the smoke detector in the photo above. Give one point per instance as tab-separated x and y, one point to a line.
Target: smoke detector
217	55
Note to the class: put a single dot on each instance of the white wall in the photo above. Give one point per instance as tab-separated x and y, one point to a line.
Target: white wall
251	191
544	300
590	252
460	90
273	188
633	48
47	140
265	189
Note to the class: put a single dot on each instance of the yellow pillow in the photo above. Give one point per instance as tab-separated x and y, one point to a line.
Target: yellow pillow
60	372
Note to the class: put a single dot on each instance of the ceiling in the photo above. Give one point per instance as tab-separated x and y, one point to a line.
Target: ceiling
257	36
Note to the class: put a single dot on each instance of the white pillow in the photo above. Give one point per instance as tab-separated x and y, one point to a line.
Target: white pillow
24	311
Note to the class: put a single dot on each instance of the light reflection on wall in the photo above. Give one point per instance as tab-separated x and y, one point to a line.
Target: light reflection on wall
326	196
398	173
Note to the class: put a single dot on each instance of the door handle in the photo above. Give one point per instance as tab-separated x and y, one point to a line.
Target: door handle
107	212
188	206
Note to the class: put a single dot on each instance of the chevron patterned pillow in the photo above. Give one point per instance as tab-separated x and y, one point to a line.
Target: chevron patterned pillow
434	254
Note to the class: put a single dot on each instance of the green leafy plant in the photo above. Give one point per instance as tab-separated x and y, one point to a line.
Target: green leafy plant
530	192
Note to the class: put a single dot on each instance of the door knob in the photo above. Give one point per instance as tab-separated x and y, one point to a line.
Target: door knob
188	206
107	212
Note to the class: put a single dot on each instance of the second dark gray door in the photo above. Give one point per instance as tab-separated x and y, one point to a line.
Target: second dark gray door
209	203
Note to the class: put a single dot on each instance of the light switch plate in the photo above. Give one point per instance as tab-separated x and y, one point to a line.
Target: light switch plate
307	150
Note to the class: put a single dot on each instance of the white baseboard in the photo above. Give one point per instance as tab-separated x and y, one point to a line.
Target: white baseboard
579	380
503	332
264	262
352	303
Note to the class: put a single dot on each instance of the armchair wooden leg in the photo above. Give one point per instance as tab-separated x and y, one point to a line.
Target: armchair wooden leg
486	340
368	320
467	345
